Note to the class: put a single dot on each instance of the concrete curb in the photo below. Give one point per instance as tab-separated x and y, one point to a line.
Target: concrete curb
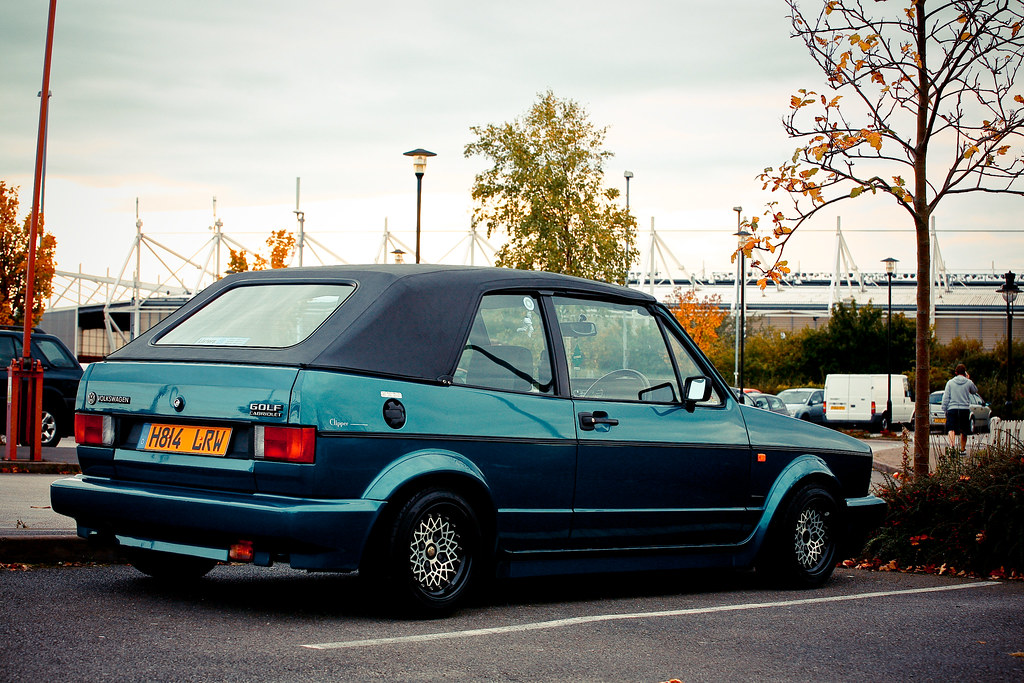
884	469
38	548
38	467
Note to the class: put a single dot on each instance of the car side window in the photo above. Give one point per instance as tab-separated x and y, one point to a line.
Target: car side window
688	367
507	347
817	398
615	351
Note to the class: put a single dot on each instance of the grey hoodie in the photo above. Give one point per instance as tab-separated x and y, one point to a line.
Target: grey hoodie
957	395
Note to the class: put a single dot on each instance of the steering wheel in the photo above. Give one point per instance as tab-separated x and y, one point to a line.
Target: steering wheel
625	383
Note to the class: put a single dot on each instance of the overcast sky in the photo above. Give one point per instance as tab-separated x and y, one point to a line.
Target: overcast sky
175	103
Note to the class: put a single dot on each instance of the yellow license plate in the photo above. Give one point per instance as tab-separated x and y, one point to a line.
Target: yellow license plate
940	420
185	439
837	407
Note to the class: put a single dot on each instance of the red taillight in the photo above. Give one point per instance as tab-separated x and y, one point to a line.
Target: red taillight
285	444
872	407
92	429
241	552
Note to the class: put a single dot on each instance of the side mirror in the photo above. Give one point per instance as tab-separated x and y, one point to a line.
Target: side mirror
696	389
659	393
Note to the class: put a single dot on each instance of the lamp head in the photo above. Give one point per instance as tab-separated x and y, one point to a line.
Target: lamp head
419	159
1009	289
890	265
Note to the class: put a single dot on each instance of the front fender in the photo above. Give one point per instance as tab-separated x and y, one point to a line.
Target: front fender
800	469
418	464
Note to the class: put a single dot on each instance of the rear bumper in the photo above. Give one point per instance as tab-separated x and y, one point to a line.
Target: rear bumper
322	534
863	515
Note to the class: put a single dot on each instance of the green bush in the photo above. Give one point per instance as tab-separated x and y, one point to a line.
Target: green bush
968	515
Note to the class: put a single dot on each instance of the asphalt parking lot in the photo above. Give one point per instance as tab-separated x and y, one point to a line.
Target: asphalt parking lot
245	623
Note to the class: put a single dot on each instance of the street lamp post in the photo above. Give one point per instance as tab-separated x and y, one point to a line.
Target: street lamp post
628	175
741	240
419	165
890	268
739	267
1009	290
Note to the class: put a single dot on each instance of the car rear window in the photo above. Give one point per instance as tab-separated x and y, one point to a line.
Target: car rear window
795	395
271	315
54	354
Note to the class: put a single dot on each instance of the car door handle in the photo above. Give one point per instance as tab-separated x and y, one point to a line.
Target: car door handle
590	420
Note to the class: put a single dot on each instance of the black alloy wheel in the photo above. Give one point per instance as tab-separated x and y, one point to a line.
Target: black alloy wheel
434	553
804	546
50	428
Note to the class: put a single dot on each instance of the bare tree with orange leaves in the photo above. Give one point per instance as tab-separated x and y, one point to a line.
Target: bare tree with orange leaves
281	244
14	243
700	317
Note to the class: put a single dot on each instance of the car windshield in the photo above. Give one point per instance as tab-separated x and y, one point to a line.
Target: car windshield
795	395
272	315
935	398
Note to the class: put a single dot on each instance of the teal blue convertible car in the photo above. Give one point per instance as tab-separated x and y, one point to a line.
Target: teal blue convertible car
433	426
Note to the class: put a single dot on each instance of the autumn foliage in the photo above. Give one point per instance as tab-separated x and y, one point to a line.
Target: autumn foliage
920	102
700	317
967	516
280	245
14	244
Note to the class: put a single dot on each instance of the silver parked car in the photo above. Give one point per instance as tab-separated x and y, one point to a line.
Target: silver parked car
769	402
981	413
806	403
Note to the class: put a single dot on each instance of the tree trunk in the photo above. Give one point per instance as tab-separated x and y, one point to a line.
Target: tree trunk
922	213
922	384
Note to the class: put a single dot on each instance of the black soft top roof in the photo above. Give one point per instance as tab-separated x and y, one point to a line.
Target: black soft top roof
402	320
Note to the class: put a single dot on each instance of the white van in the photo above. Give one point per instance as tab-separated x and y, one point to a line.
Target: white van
859	400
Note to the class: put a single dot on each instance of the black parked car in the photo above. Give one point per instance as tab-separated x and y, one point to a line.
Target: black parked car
61	374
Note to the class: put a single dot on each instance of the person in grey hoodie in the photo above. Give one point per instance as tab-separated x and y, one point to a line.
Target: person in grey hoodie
956	403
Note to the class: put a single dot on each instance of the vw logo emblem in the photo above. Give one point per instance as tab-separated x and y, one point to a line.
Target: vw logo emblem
92	398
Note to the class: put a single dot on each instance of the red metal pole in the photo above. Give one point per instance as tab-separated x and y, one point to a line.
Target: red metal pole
29	369
37	185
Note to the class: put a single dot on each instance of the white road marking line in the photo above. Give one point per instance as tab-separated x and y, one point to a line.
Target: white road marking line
573	621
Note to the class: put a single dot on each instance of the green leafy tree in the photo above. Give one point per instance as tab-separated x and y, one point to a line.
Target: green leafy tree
854	341
931	110
544	190
14	244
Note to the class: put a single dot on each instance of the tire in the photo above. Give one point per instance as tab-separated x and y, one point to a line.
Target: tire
804	545
883	424
51	428
170	567
434	552
974	427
